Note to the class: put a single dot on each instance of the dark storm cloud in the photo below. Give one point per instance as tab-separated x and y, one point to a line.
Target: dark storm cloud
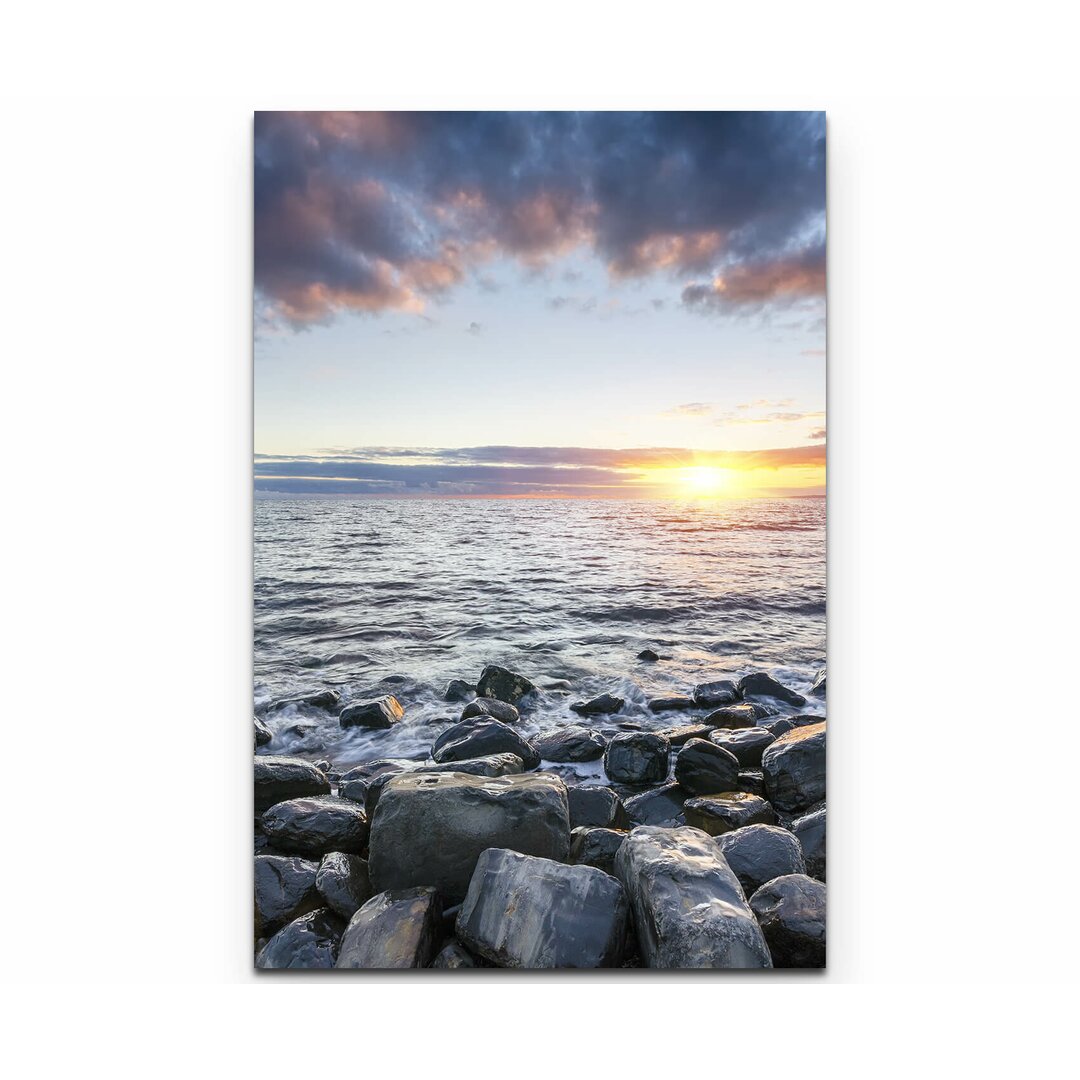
371	212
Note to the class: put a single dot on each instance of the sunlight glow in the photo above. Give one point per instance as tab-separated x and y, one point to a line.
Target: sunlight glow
705	479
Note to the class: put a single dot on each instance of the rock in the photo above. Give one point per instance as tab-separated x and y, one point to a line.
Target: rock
817	688
791	912
300	730
661	806
316	825
492	765
714	694
384	712
596	847
810	829
637	757
354	783
718	814
508	686
556	684
794	768
430	828
745	714
481	738
281	778
648	654
779	727
284	890
758	853
703	768
453	955
598	806
603	704
262	733
747	744
395	929
343	883
758	684
573	743
458	690
679	736
673	701
310	941
320	699
753	781
689	909
804	719
527	912
486	706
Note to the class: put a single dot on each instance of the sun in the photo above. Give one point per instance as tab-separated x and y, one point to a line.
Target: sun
705	479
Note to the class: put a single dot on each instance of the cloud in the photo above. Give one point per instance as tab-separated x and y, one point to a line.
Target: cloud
368	212
819	434
474	328
691	408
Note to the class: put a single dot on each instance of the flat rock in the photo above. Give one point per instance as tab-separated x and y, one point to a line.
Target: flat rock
527	912
430	828
491	765
689	909
759	685
499	682
671	702
810	829
596	847
316	825
720	692
284	890
310	941
718	814
393	930
661	806
594	805
262	733
381	713
794	768
483	737
745	714
458	690
703	768
572	743
281	778
747	744
489	706
680	736
597	706
758	853
343	883
637	757
791	912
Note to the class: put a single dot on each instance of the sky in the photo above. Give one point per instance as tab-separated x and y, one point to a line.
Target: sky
499	304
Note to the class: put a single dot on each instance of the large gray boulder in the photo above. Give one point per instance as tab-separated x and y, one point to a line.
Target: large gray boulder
396	929
703	768
284	890
661	806
810	829
482	737
430	828
637	757
758	853
382	713
499	682
712	695
281	778
791	913
493	707
596	847
492	765
343	883
718	814
316	825
747	744
572	743
689	909
310	941
525	912
759	685
794	768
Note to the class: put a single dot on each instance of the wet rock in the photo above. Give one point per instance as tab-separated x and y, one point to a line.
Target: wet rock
458	690
661	806
703	768
747	744
817	689
430	828
492	765
281	778
804	719
395	929
310	941
689	909
745	714
343	883
758	685
791	912
453	955
649	655
779	727
794	768
758	853
810	829
354	783
508	686
481	737
284	890
753	781
670	702
596	847
493	707
637	757
680	736
262	733
718	814
381	713
597	706
320	699
712	695
599	806
316	825
528	912
573	743
300	730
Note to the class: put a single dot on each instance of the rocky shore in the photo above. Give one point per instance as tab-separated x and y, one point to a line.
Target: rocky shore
703	847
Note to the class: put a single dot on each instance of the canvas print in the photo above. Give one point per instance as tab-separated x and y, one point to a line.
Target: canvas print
539	540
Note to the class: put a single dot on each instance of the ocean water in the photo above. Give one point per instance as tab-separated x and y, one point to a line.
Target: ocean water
401	595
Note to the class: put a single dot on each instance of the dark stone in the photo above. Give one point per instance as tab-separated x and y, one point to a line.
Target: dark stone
758	853
573	743
492	765
395	929
718	814
343	882
262	733
453	955
817	689
661	806
284	890
689	909
637	757
481	738
648	654
794	768
605	703
596	847
680	736
780	727
321	699
745	714
310	941
747	744
712	695
791	912
300	730
598	806
384	712
527	912
316	825
672	701
430	828
703	768
354	783
458	690
805	719
753	781
493	707
810	829
281	778
758	684
508	686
